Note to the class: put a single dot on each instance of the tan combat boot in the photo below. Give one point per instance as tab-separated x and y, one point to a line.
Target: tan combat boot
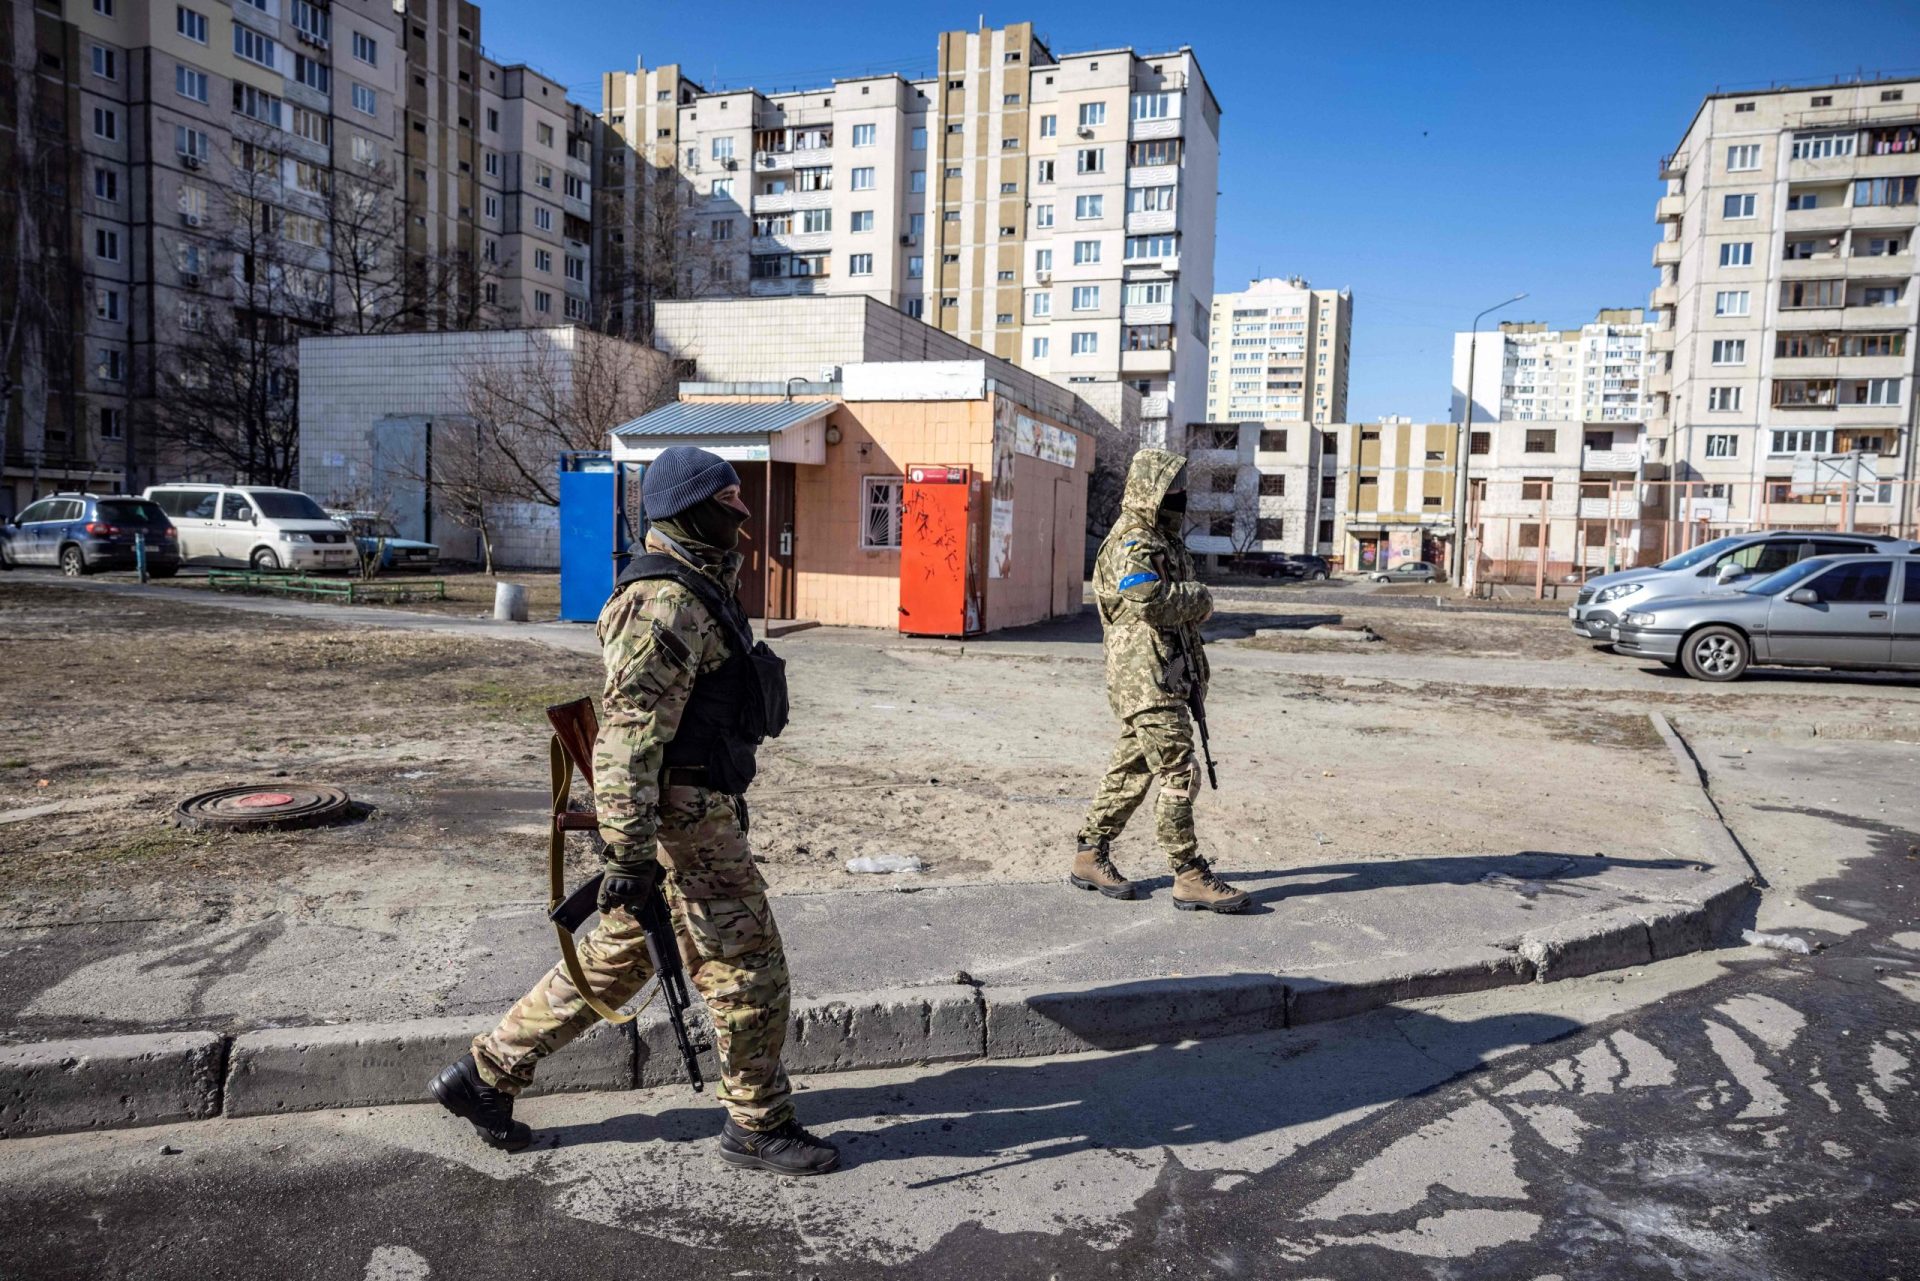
1093	869
1197	889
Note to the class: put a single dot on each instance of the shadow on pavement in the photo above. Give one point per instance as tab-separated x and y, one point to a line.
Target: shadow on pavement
1791	676
1530	873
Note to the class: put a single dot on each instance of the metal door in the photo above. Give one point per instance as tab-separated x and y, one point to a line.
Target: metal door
1068	547
198	508
781	538
934	543
1850	624
234	532
399	475
1906	617
587	540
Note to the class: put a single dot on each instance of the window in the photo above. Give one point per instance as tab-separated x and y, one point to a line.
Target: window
1274	442
1085	252
1731	302
1739	205
106	124
917	180
1877	391
1802	294
543	176
916	267
543	217
543	260
1742	107
1150	247
1885	191
1892	95
1092	113
190	23
1090	160
112	364
542	301
1540	442
916	307
314	75
490	206
105	64
1737	253
862	179
1821	146
106	303
1148	293
1149	199
1009	144
918	139
1480	444
1043	260
863	135
816	220
256	104
366	49
1042	305
106	244
860	264
1880	296
1088	208
1729	351
722	189
1152	106
1041	346
1161	151
1723	446
816	179
1043	216
106	185
1802	441
1743	157
312	125
1723	399
1085	342
1049	126
251	45
493	120
311	19
1042	172
880	513
365	100
953	171
113	425
543	134
1086	297
1864	582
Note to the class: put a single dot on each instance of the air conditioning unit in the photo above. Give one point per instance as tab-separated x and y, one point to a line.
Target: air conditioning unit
190	219
1044	277
1085	131
190	160
191	279
729	162
909	240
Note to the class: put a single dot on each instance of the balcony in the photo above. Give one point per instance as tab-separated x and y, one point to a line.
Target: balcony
1152	313
1146	362
1664	296
1150	220
1660	339
796	242
1153	176
1674	165
1154	405
1898	266
772	161
1818	267
1609	460
1670	209
779	203
1620	506
1826	218
1167	127
1666	253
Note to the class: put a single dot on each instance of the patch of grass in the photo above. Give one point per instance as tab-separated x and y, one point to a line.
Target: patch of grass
13	762
527	702
153	843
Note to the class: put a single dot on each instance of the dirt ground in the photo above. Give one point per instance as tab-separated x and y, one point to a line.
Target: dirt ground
978	759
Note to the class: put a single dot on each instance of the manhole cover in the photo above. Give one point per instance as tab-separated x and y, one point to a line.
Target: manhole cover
228	808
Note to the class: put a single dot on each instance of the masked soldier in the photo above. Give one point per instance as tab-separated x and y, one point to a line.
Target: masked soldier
670	767
1151	609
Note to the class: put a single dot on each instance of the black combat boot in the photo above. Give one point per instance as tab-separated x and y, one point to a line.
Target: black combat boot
462	1092
787	1149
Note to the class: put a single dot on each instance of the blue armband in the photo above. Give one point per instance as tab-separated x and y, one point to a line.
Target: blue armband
1134	580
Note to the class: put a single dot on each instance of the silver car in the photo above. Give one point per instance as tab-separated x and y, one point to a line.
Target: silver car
1709	569
1829	611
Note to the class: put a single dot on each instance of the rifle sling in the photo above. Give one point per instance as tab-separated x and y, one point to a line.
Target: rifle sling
562	773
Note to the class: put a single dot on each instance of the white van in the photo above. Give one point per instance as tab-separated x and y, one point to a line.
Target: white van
257	526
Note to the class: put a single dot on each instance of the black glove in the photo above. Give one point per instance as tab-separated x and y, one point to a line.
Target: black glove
628	889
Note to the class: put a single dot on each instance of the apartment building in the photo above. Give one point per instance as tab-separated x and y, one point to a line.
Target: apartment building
1552	497
1256	487
1531	372
1395	483
1054	210
1278	353
1786	307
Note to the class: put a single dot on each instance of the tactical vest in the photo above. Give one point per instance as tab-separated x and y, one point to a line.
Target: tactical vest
737	705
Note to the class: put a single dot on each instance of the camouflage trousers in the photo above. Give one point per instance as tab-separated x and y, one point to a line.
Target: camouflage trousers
1154	744
728	942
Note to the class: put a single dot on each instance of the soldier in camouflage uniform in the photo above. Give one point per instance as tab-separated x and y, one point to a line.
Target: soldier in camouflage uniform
660	644
1151	609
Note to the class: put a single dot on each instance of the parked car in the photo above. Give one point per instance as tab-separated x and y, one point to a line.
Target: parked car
1826	611
1407	571
1710	568
374	534
258	526
1283	565
83	533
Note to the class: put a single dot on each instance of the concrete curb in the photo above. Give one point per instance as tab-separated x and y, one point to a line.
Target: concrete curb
110	1081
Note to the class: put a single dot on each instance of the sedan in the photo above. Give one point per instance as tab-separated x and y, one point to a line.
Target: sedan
1407	571
1857	612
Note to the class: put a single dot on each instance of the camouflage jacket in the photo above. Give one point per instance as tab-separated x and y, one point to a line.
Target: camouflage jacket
655	637
1150	604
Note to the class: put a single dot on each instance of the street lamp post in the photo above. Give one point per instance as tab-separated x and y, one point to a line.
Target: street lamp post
1464	452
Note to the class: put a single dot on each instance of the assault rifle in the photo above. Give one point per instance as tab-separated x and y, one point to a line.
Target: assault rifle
1197	704
574	729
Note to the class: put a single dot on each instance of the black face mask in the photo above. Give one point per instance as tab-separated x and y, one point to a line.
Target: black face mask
708	525
1174	502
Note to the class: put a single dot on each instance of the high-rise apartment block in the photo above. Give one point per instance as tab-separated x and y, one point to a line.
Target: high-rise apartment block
1526	371
193	186
1278	353
1055	210
1786	303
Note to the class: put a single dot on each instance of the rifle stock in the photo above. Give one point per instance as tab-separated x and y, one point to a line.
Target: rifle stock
1197	704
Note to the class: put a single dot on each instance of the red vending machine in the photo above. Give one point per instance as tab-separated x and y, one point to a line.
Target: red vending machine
939	550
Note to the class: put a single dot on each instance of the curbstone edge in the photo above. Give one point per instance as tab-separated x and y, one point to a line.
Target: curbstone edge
1026	1022
1365	987
53	1086
886	1029
1610	940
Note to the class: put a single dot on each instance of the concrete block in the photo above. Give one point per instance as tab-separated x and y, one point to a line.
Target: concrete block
887	1029
1360	988
1610	940
108	1081
1726	899
1025	1023
302	1069
1674	929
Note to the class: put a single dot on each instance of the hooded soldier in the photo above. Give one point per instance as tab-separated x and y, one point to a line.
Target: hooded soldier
1151	609
671	767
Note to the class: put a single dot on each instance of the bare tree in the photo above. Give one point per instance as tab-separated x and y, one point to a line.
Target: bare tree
565	395
658	241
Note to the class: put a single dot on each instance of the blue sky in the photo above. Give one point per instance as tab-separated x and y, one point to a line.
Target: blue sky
1432	158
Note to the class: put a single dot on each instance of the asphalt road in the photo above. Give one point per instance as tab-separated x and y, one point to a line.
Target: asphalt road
1743	1114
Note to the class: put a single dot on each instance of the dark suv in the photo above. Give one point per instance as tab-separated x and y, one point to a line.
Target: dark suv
82	533
1283	565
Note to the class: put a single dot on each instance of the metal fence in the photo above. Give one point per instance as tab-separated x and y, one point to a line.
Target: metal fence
1543	534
